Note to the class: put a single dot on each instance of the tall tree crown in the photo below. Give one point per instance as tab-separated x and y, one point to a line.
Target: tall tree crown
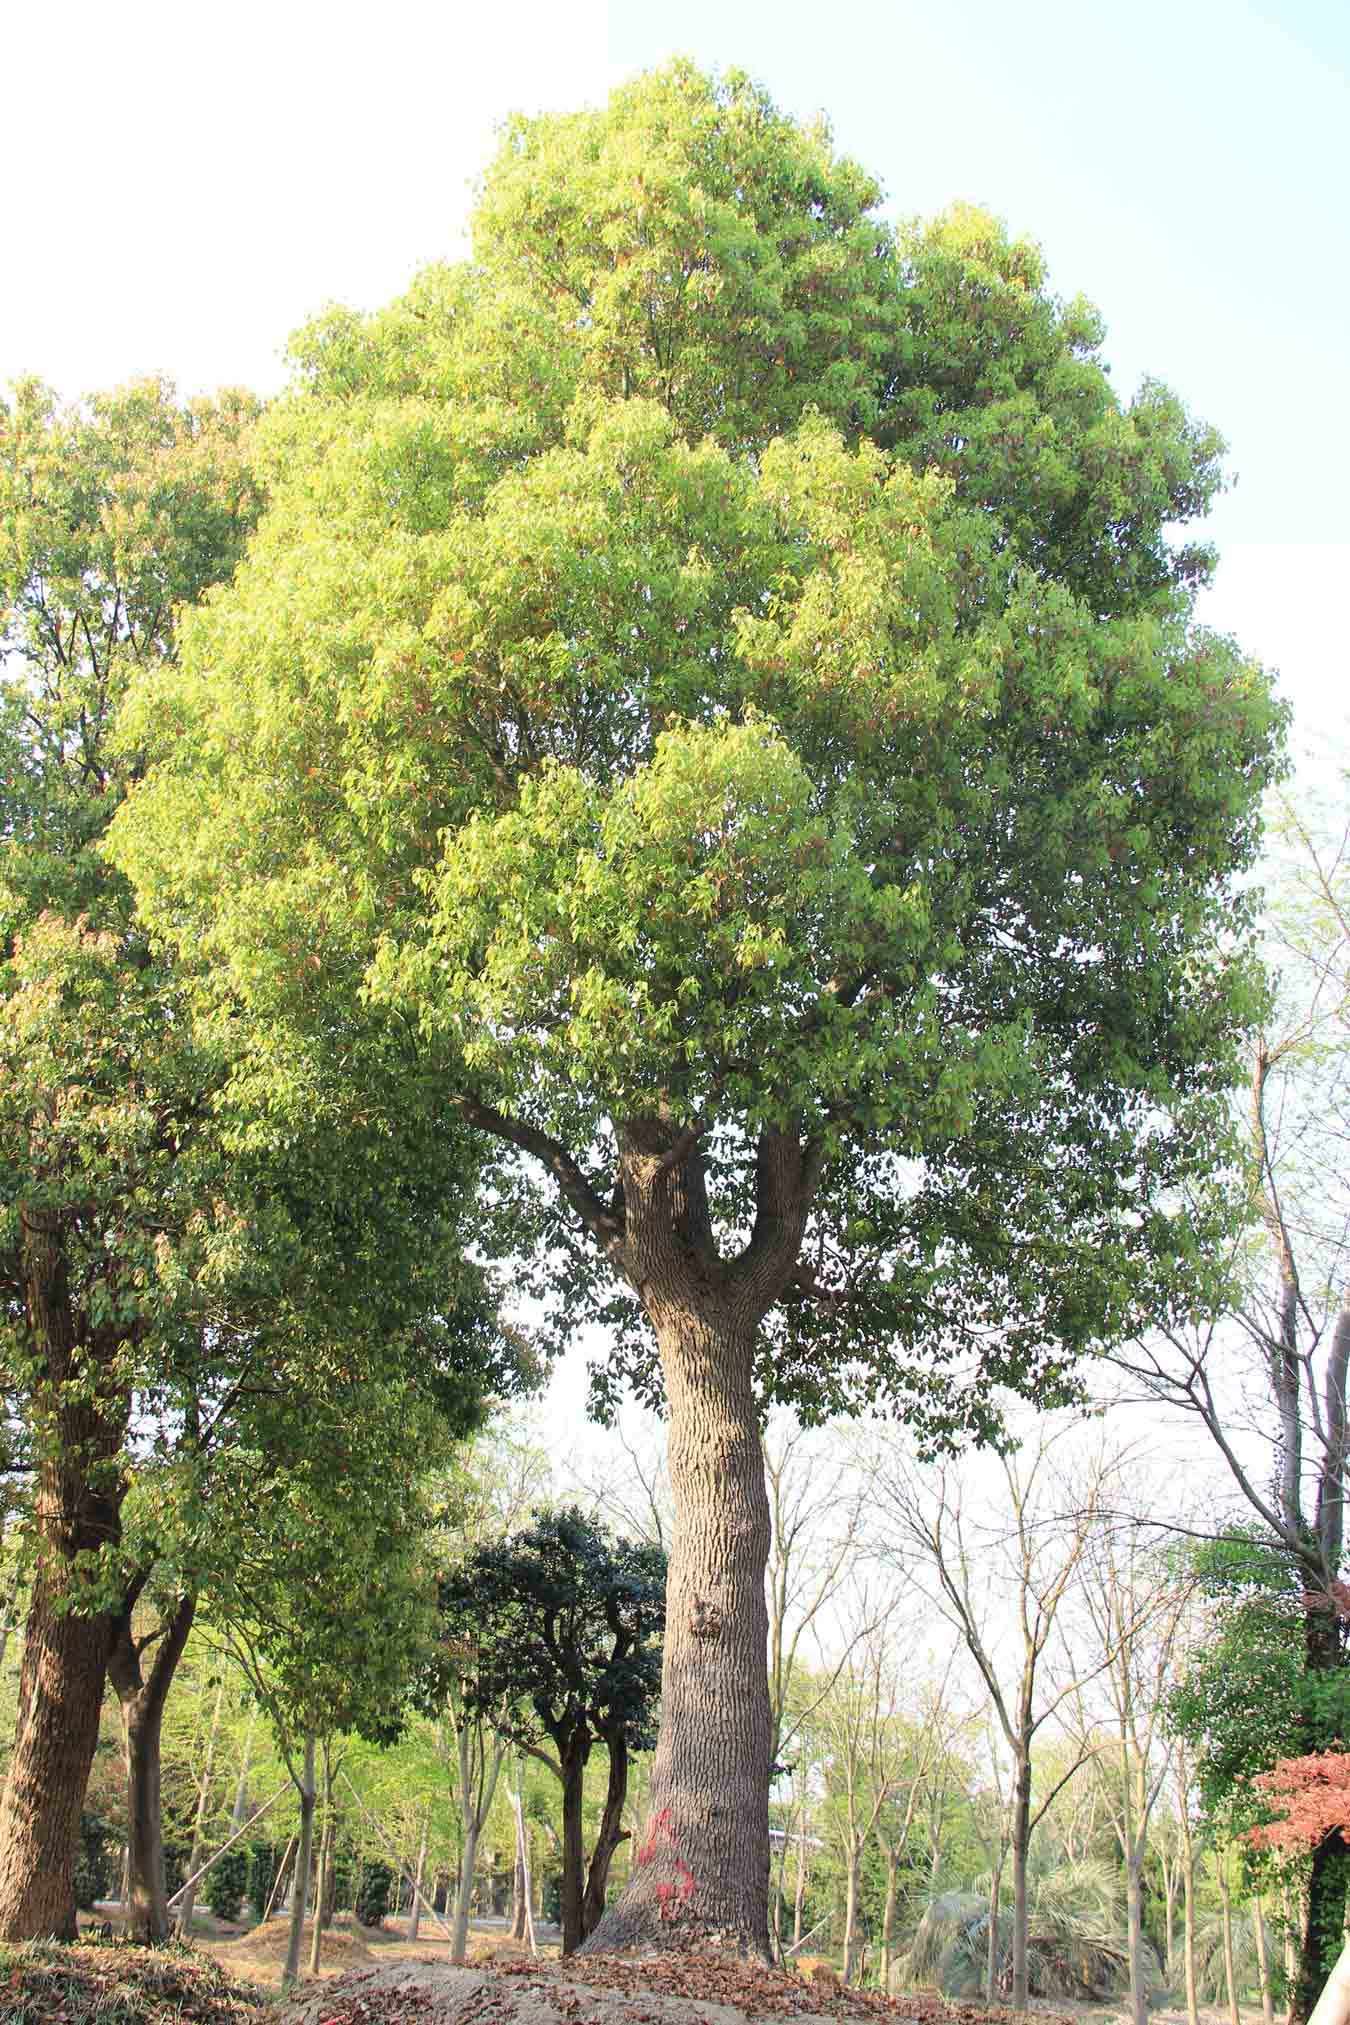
715	666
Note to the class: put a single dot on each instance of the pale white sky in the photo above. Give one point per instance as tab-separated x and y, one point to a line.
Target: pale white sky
185	184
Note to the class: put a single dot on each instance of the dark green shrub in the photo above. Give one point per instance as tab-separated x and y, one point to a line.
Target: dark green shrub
94	1862
176	1858
225	1883
372	1894
345	1869
264	1861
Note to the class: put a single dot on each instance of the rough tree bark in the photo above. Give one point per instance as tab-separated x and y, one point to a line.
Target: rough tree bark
143	1697
80	1418
702	1867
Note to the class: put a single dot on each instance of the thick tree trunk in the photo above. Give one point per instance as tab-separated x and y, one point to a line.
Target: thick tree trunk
702	1868
143	1697
1021	1844
79	1423
303	1855
1323	1925
61	1693
701	1872
1333	2004
573	1854
612	1833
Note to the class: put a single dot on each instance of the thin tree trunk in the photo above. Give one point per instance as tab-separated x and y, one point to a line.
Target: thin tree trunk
1134	1928
8	1606
1021	1843
611	1833
278	1881
523	1844
799	1883
80	1425
991	1963
1263	1961
321	1865
850	1911
888	1911
703	1865
1188	1916
468	1858
1226	1910
303	1853
415	1916
143	1697
239	1812
1169	1877
189	1898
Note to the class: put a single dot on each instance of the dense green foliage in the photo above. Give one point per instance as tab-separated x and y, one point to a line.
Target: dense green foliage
713	657
561	1627
1248	1696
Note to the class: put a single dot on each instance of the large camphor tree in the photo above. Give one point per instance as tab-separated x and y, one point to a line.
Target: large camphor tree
717	668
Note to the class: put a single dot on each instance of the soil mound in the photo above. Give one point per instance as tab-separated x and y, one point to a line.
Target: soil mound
269	1944
50	1983
683	1989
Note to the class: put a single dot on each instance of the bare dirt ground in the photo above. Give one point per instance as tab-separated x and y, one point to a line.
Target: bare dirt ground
260	1955
379	1977
672	1989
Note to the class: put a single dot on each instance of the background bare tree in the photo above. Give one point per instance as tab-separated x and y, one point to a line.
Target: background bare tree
1265	1373
1000	1576
1133	1602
